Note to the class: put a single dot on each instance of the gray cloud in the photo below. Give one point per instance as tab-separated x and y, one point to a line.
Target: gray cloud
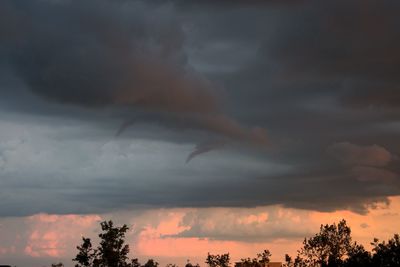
366	174
94	54
204	148
357	155
110	54
181	74
349	44
251	225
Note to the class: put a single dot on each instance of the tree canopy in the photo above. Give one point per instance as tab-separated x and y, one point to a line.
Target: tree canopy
386	253
111	252
329	247
261	260
217	260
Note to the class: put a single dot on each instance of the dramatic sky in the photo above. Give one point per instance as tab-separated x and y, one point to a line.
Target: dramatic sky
221	126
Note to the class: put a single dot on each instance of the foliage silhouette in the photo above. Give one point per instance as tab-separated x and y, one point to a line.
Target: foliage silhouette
112	251
386	254
217	260
189	264
261	260
333	247
358	257
329	247
151	263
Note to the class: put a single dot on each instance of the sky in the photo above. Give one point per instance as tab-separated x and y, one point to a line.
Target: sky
206	126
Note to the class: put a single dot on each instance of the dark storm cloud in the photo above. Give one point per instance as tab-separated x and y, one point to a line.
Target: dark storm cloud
110	53
350	43
97	53
356	155
321	77
336	51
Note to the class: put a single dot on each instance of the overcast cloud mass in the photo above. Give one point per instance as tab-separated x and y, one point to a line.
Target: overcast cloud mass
164	104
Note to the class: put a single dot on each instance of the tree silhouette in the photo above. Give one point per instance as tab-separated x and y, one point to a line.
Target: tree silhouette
329	247
387	253
218	260
112	251
135	263
333	247
151	263
358	257
189	264
261	260
86	254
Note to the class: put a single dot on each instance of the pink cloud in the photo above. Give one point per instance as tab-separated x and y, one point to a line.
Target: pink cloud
54	235
7	250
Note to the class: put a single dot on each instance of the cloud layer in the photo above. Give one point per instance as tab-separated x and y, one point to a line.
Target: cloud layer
321	78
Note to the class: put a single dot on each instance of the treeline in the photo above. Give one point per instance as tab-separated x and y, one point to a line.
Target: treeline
332	246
